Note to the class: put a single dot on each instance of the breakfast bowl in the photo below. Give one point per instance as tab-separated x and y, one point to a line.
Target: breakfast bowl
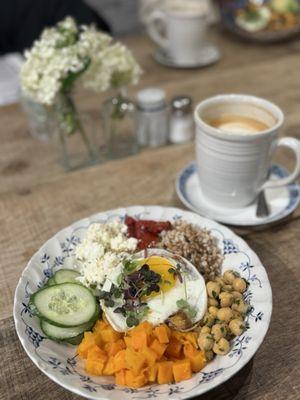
224	251
266	21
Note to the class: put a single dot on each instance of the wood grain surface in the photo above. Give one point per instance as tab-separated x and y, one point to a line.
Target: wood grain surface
37	198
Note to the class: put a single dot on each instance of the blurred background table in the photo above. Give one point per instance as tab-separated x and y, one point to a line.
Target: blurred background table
37	198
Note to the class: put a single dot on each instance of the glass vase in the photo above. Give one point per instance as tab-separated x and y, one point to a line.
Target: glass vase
120	126
39	118
75	134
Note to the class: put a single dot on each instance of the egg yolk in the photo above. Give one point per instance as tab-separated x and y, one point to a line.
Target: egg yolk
161	266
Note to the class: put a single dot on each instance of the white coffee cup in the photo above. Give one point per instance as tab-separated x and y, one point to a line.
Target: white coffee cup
233	166
184	24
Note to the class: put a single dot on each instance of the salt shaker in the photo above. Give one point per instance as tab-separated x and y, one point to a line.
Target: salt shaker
181	120
153	124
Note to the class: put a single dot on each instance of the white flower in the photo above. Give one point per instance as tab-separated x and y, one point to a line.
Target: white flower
114	66
68	49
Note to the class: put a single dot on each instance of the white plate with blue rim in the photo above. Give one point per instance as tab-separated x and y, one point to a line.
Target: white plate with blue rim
59	361
282	201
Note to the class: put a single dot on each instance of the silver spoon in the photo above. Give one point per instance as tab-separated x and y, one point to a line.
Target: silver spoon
263	209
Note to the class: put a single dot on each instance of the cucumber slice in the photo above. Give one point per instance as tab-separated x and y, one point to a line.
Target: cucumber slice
66	304
33	308
59	333
66	275
75	340
51	281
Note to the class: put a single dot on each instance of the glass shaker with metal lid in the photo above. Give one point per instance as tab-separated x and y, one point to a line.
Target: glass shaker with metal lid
181	120
153	124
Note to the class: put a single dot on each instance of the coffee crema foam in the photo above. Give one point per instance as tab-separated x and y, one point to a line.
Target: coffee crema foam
238	124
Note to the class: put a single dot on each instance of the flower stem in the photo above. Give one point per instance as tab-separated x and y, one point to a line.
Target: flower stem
74	118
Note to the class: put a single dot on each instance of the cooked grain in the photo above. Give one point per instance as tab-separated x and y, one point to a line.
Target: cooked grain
196	245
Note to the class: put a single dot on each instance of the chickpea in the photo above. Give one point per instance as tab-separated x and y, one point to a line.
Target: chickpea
237	315
205	341
209	355
227	288
205	329
213	311
237	327
208	320
229	277
224	314
218	331
213	302
239	285
226	299
213	289
220	281
240	306
237	295
221	347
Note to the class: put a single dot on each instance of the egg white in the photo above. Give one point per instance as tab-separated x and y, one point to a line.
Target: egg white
162	306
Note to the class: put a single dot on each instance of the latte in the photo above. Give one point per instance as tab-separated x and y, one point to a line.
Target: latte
238	124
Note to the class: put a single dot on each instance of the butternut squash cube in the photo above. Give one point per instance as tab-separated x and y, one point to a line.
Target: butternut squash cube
174	348
109	367
99	326
95	353
119	361
109	335
189	350
98	339
149	355
158	347
113	348
161	332
127	340
182	370
87	342
152	372
165	372
198	361
144	326
139	340
134	361
94	367
191	337
120	377
134	381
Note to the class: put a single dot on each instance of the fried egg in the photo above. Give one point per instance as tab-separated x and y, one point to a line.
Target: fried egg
180	288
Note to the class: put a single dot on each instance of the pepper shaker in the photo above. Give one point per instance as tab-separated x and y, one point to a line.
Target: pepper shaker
181	120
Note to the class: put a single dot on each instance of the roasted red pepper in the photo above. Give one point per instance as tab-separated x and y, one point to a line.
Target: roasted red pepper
146	231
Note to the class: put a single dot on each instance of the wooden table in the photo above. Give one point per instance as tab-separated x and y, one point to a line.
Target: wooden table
37	198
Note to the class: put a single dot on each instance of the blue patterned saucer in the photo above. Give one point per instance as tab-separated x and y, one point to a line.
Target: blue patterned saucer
282	200
207	55
59	361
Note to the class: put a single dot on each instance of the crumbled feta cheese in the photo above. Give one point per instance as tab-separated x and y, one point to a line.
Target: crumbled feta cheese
104	246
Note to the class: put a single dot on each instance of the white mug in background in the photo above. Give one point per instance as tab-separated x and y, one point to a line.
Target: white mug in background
184	24
233	167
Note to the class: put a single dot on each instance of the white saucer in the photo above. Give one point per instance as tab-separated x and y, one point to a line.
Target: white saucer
282	201
209	54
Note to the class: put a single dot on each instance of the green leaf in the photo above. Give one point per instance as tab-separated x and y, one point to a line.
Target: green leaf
182	303
130	266
131	321
190	311
120	279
